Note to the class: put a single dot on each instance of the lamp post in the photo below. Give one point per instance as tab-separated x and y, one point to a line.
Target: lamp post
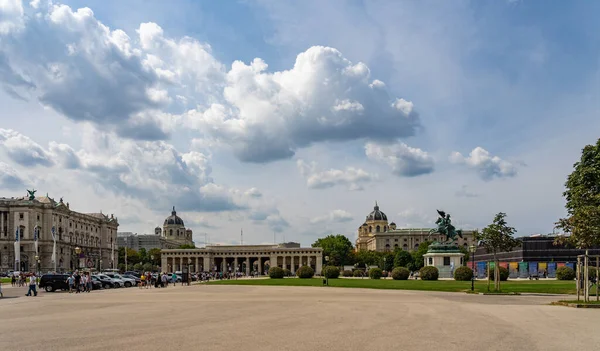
473	248
326	277
77	251
152	261
37	264
384	260
100	268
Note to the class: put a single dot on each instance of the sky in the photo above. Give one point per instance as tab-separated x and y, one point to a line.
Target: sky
289	120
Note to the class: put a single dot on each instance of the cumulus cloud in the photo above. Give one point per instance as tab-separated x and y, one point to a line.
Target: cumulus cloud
269	216
11	16
412	218
404	160
487	166
335	216
22	150
353	178
464	192
10	178
324	97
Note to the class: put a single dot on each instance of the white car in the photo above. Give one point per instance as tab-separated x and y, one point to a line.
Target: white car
115	282
129	282
119	283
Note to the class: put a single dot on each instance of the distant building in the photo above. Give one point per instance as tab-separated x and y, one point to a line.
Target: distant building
375	234
172	235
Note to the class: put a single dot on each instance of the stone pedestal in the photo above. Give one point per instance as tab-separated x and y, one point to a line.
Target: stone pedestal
446	258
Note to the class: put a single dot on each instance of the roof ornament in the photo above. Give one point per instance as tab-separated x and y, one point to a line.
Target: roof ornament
173	212
31	194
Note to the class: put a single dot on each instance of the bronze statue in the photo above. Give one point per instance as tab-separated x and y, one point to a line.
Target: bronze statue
445	227
31	194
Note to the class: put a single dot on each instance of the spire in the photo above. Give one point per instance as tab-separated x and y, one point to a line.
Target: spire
173	213
376	206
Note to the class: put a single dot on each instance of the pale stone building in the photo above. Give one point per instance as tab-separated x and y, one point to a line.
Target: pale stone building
174	231
95	234
242	258
375	234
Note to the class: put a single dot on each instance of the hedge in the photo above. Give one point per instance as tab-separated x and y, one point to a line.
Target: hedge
276	273
400	273
503	274
287	272
429	273
347	273
331	272
375	273
358	273
565	273
305	272
463	273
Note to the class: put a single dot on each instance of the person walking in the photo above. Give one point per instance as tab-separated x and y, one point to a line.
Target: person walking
174	278
32	285
71	282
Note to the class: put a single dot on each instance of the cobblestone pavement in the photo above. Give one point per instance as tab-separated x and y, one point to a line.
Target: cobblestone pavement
211	317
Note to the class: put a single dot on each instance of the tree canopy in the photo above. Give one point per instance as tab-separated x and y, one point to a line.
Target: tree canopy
498	236
583	200
187	246
338	248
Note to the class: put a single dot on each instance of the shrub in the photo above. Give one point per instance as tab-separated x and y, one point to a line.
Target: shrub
305	272
375	273
347	273
358	273
331	272
463	273
565	273
276	272
400	273
287	272
503	274
429	273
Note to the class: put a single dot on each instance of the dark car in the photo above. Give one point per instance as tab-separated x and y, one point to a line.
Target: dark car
96	284
105	283
52	282
133	273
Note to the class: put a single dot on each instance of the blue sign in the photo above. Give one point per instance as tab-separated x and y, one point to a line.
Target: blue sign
533	268
481	270
551	269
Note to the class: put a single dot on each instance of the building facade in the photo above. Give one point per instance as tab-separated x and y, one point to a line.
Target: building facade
94	235
144	241
174	230
375	234
242	258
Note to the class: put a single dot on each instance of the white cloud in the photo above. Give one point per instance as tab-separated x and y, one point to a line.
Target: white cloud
10	178
324	97
404	160
465	192
11	16
23	150
488	167
353	178
335	216
412	218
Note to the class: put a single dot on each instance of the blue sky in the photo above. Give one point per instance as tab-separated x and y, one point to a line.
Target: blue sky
139	106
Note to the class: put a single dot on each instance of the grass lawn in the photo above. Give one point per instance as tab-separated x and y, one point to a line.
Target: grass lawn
581	302
5	280
520	286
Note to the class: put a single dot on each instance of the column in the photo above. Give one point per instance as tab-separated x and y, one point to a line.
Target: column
163	263
224	265
293	268
319	264
247	266
260	266
1	224
235	265
284	262
206	264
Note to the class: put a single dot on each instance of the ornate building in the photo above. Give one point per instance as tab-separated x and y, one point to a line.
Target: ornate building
174	231
92	234
375	234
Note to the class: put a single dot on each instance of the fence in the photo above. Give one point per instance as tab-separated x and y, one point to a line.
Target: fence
523	269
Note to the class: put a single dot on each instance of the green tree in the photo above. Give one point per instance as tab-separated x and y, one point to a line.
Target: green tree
143	255
156	254
133	257
137	267
147	267
417	255
402	258
338	247
187	246
497	237
583	200
466	253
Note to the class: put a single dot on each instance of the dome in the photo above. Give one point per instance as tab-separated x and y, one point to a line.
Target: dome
376	215
391	224
174	219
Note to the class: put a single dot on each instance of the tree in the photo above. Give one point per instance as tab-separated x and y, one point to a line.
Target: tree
583	204
497	237
402	259
187	246
143	255
147	267
156	254
417	255
466	253
338	247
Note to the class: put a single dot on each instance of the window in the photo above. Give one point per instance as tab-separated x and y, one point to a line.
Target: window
21	215
38	217
405	247
446	261
378	229
170	231
429	260
370	229
405	240
396	240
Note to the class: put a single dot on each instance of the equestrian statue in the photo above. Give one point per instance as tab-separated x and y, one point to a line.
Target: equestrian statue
445	227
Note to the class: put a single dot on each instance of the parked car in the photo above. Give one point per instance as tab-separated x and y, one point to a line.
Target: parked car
117	283
104	281
134	278
52	282
133	273
117	278
96	284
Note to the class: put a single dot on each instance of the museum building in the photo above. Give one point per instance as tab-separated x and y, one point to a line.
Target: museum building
82	239
375	234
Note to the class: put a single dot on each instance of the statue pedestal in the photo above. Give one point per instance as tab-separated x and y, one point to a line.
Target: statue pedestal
445	257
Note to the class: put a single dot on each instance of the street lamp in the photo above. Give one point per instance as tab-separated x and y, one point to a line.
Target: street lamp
37	261
326	263
77	251
384	260
152	261
472	249
100	268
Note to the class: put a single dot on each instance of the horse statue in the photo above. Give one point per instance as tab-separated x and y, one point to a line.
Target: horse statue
31	194
445	227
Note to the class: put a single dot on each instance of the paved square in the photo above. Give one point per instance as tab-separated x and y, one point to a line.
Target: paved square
245	318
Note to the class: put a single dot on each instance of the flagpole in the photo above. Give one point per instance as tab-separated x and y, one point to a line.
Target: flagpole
54	247
17	251
36	234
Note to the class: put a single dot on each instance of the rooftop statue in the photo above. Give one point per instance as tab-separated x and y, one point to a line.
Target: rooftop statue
444	226
31	194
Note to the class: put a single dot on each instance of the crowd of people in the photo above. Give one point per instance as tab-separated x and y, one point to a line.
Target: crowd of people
80	282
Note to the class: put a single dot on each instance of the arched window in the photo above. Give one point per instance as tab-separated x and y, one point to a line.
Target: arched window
416	246
387	247
385	228
465	245
405	247
378	229
370	229
395	246
171	232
